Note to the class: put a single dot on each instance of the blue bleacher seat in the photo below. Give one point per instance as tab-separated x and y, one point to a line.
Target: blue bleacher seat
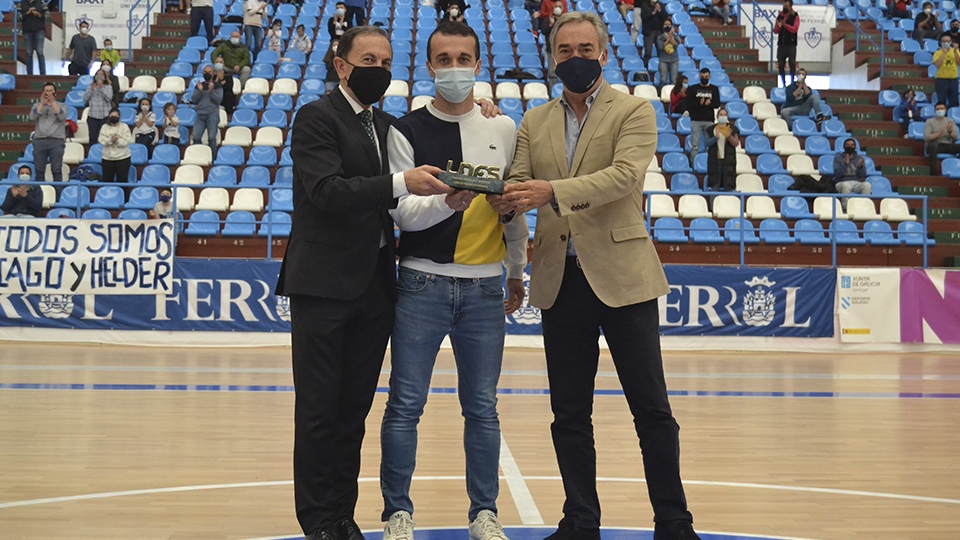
879	185
221	176
197	42
705	231
833	128
74	98
675	162
775	231
285	159
810	232
240	222
96	213
778	183
252	102
264	156
289	70
668	142
71	195
778	96
668	229
303	99
770	164
889	98
746	125
794	207
255	176
297	58
95	154
684	183
266	56
315	72
846	233
284	177
911	233
879	233
203	223
165	154
138	154
191	56
109	197
230	155
181	69
156	174
422	88
728	93
274	118
735	229
511	106
275	223
825	165
280	102
700	163
61	213
817	145
758	144
187	116
804	127
663	124
132	214
737	109
281	199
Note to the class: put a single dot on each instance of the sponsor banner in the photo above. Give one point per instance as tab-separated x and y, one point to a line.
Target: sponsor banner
108	19
74	256
929	306
869	304
813	38
237	295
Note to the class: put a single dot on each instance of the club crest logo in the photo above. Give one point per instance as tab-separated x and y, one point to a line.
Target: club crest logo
759	302
56	306
83	19
813	38
527	314
137	24
283	308
763	36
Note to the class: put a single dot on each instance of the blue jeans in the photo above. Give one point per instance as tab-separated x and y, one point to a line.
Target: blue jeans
668	72
211	124
430	307
33	41
253	35
696	131
947	92
811	104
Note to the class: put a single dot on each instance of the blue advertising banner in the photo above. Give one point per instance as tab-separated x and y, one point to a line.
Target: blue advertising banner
236	295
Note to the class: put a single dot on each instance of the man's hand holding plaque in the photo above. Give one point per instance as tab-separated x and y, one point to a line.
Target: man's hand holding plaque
479	178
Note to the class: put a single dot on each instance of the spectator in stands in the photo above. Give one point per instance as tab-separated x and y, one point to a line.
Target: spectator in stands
637	25
220	75
108	53
201	11
927	25
301	42
654	16
850	171
116	138
550	11
338	23
678	96
787	25
23	200
723	139
106	67
80	51
897	9
236	57
533	6
49	133
163	209
206	100
624	7
33	22
275	37
702	100
907	110
954	32
144	126
253	11
455	10
99	99
332	79
356	12
946	60
721	8
800	101
940	134
171	125
667	44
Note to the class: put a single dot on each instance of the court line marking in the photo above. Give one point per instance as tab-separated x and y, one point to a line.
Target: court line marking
526	506
721	533
91	496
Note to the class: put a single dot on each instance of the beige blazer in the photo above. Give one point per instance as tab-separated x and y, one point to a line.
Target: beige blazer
600	199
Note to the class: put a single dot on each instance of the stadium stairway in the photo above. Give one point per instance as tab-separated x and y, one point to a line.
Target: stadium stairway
7	62
732	49
161	48
900	71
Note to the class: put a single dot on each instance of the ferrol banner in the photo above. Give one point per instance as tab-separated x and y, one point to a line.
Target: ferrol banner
813	38
899	305
108	19
237	295
74	256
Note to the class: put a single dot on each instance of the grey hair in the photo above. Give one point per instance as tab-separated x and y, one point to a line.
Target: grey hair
580	16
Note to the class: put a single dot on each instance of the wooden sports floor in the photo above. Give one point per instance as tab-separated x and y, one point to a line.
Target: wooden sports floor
112	442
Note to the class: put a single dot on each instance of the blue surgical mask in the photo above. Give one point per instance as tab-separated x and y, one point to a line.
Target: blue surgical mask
235	41
218	66
24	177
165	198
341	12
109	47
455	84
941	113
723	119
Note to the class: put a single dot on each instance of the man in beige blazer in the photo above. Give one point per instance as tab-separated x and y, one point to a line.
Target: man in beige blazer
581	160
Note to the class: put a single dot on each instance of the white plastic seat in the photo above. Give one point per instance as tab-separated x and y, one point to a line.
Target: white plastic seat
654	182
775	127
862	209
654	165
823	209
64	171
49	196
662	206
237	87
185	199
250	199
895	209
82	136
269	136
421	101
744	165
188	174
198	154
761	207
726	207
224	122
124	83
787	145
213	198
145	83
507	90
285	86
665	93
482	90
73	153
799	164
173	84
693	206
750	183
257	85
646	91
764	110
398	88
534	90
754	94
621	88
238	135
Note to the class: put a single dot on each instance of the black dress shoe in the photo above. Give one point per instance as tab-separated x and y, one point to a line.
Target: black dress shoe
566	530
347	529
323	533
674	530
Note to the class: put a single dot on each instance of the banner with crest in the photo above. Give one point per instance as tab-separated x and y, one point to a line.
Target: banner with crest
109	19
814	42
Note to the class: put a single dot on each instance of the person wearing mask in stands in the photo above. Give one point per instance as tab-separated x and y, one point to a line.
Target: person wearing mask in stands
301	41
940	134
906	111
787	26
702	100
99	99
953	33
109	54
80	51
33	22
624	7
116	138
275	37
722	142
678	96
800	101
849	172
946	60
898	9
23	200
550	11
236	57
332	80
106	67
206	100
201	11
163	209
927	25
220	75
654	17
49	135
356	12
144	126
338	23
253	11
171	125
667	44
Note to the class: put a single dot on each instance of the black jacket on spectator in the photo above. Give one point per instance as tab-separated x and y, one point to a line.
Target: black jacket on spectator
698	112
29	205
30	23
652	23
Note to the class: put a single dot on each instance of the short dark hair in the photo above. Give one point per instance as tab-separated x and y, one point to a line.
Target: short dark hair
346	40
169	104
705	70
299	26
940	104
107	39
450	28
114	110
85	23
27	167
48	83
851	139
341	3
788	2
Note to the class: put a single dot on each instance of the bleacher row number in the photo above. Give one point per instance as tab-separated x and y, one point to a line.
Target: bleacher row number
238	242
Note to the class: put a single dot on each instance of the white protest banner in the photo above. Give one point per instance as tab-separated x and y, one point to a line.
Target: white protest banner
73	256
813	38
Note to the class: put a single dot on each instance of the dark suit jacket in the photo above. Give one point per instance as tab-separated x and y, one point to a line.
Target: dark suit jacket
341	194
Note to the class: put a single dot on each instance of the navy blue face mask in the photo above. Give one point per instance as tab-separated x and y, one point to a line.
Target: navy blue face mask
579	74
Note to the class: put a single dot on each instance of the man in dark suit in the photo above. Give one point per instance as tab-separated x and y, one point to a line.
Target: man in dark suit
340	274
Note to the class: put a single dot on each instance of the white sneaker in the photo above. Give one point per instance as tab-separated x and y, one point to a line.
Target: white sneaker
486	527
400	527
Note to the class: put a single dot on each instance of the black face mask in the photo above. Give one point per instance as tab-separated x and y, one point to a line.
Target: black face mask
704	81
579	74
955	28
849	149
667	29
113	120
369	83
208	77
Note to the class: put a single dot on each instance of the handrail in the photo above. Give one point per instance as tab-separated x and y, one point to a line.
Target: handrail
132	29
856	24
16	20
753	21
